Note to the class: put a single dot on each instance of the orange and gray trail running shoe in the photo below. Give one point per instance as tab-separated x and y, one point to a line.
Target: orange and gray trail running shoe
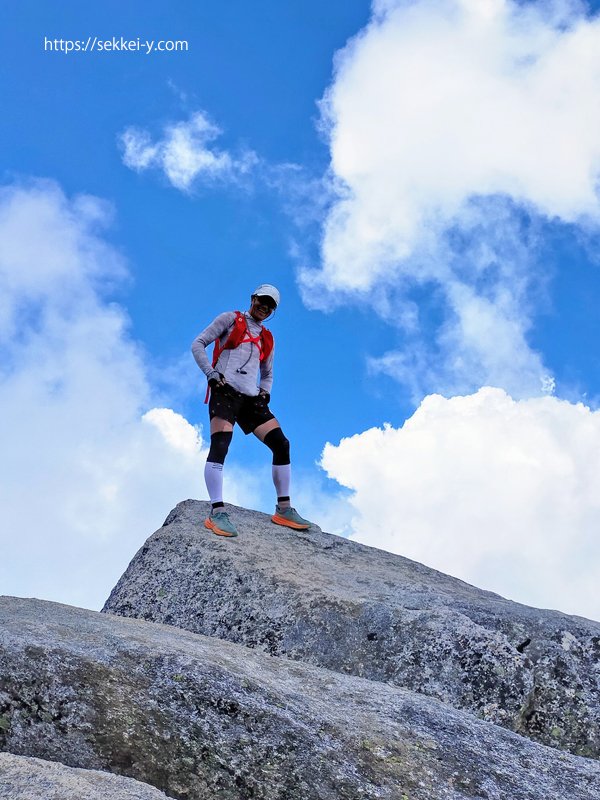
219	523
290	518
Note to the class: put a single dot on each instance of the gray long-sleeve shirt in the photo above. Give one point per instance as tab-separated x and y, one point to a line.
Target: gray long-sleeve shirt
245	357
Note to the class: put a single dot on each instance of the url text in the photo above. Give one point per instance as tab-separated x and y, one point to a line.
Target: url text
116	44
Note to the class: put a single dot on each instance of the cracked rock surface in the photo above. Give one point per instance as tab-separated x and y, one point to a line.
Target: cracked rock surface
327	601
199	717
25	778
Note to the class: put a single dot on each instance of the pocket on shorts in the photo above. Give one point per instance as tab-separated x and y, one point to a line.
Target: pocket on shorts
226	390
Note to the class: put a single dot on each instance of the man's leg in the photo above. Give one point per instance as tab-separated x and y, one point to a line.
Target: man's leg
271	434
221	432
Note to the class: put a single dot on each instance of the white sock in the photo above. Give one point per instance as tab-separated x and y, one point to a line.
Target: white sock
282	474
213	475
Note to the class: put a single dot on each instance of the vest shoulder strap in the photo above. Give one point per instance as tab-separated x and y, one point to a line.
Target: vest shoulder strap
267	343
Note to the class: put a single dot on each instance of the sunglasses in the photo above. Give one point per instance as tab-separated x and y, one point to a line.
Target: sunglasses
265	302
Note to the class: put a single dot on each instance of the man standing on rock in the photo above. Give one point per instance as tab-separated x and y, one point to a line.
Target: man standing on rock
243	353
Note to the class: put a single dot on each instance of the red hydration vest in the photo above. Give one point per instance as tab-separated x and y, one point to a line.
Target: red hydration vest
240	335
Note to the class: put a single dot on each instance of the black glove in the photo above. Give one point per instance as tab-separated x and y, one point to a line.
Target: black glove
265	394
220	381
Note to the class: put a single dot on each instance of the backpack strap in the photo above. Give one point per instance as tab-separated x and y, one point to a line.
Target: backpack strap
267	343
235	337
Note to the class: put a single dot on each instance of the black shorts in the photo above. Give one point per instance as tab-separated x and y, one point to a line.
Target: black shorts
249	412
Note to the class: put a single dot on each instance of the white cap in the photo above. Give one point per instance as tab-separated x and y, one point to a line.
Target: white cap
266	290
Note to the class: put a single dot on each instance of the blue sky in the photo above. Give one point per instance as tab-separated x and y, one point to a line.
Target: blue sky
420	181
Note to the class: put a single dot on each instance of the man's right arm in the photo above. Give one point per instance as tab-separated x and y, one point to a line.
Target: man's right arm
216	329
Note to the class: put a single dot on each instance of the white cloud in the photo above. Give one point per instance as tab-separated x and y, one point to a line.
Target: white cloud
176	431
500	493
183	153
86	470
450	123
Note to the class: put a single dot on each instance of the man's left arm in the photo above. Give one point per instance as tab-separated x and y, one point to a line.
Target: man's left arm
266	374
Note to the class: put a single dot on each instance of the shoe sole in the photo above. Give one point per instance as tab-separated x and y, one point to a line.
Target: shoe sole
298	526
212	527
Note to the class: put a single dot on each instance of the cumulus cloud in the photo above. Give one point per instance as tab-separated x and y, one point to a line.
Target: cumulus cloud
498	492
455	128
184	153
89	466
